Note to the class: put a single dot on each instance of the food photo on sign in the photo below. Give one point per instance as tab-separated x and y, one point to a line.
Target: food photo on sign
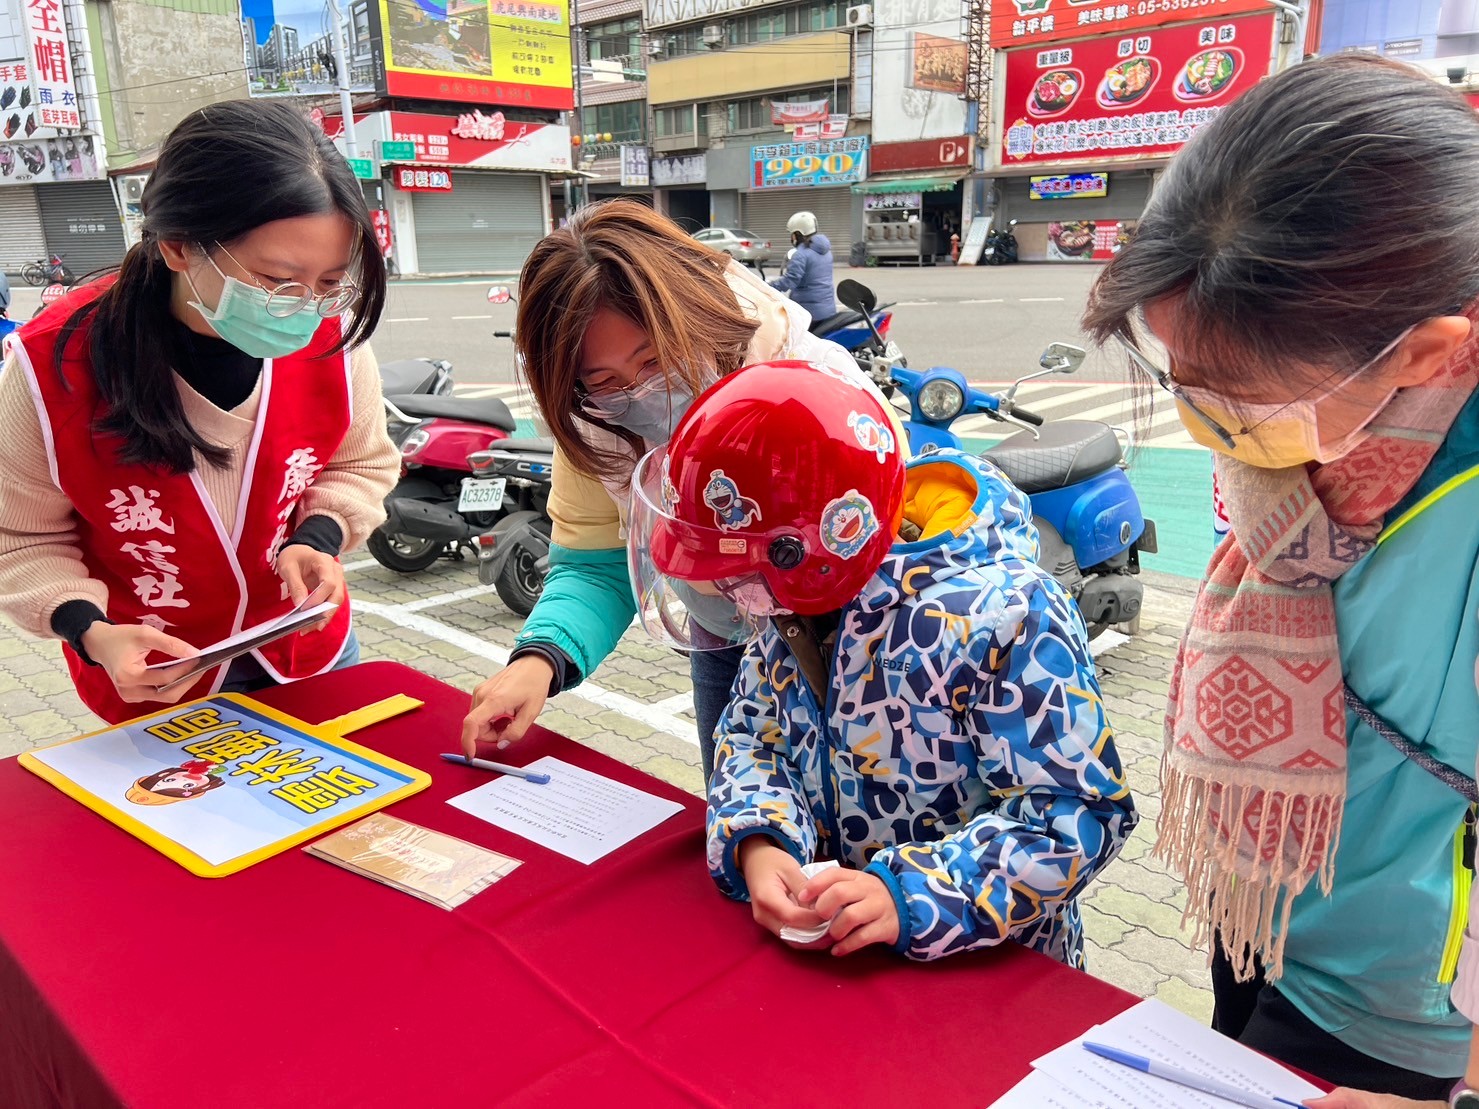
1087	240
1139	94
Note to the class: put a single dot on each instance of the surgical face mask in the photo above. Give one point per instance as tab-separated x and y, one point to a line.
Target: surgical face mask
241	318
651	408
753	598
1278	436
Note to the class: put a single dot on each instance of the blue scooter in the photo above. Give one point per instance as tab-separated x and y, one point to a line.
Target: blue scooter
1089	519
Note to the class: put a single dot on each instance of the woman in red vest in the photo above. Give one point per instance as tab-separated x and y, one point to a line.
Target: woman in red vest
190	442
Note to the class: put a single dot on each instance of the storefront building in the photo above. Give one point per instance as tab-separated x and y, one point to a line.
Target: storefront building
910	203
1085	124
611	116
463	194
54	193
755	114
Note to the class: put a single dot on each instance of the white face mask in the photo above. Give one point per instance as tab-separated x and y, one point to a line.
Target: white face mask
753	598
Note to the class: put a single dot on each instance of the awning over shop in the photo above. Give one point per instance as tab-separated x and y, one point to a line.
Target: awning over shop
910	184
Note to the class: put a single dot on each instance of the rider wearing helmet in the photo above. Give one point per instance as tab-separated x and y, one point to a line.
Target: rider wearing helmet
808	276
920	703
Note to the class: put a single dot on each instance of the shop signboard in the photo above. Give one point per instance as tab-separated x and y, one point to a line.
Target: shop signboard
784	113
498	52
888	202
1033	22
927	154
414	179
52	81
688	169
919	70
828	162
635	162
483	140
1130	96
290	49
1087	240
1068	186
73	158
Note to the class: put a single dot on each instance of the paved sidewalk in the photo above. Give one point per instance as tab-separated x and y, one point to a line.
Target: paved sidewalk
637	708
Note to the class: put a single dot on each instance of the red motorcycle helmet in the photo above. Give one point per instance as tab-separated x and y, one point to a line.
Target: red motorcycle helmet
783	486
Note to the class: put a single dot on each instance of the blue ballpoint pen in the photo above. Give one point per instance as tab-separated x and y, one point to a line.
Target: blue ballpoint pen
502	768
1189	1079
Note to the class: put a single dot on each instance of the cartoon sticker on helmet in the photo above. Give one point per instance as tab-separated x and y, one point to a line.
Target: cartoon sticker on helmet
669	491
872	436
732	510
848	522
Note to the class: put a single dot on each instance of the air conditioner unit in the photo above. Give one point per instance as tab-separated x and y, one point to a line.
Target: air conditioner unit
133	189
860	15
656	48
713	35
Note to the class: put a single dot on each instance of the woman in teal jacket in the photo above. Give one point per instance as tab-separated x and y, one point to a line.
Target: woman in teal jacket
1310	263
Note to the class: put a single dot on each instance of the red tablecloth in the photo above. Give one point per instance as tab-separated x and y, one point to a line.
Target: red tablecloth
124	979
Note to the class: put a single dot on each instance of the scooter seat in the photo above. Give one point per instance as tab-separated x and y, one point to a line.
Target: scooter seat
410	375
523	446
836	322
478	410
1065	453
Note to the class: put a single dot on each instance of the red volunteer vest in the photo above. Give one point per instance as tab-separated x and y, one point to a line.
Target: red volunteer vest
154	538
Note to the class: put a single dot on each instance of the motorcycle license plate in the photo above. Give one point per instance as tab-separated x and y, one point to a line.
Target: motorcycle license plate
893	352
481	495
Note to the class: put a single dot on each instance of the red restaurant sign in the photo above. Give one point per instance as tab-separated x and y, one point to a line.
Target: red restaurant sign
891	157
409	179
1029	22
1139	95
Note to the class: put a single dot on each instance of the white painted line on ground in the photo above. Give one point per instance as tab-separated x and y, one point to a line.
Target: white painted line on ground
409	319
1107	641
918	303
679	702
1041	300
485	317
648	715
448	598
993	300
361	564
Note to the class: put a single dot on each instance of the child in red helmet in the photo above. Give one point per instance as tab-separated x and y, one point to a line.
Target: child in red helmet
920	704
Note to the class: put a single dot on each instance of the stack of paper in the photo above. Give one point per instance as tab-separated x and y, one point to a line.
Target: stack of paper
441	869
809	935
1071	1076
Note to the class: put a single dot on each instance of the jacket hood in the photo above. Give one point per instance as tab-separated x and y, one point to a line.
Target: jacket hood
819	244
968	513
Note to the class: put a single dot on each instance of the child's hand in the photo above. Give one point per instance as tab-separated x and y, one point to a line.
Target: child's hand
774	878
858	904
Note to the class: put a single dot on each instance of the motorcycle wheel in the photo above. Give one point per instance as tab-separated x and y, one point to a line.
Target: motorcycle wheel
520	583
33	274
405	554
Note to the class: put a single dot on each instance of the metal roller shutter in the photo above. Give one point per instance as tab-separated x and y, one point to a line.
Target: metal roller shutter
489	222
21	240
766	213
82	224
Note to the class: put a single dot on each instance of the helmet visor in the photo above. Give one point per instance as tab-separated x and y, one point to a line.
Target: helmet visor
675	568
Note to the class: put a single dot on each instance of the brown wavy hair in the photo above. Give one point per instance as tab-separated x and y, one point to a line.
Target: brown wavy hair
622	255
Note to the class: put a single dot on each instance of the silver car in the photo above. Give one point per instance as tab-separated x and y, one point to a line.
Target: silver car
739	245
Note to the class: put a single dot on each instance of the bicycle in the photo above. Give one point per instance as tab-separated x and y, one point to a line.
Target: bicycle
53	272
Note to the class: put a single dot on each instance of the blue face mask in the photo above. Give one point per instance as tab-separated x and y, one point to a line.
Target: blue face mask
242	319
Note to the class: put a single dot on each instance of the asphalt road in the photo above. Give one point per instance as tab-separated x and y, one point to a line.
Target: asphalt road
990	323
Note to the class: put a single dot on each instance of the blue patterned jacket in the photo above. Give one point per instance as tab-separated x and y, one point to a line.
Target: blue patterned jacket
962	755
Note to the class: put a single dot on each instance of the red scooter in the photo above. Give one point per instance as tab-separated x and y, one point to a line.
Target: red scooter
438	507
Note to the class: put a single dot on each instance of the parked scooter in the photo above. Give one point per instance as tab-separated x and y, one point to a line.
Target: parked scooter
1001	245
438	507
514	555
430	376
1088	516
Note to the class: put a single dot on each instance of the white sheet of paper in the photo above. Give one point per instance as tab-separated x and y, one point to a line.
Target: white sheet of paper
1038	1091
306	612
577	813
1157	1031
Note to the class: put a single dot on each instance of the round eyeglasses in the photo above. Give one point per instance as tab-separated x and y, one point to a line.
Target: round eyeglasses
292	297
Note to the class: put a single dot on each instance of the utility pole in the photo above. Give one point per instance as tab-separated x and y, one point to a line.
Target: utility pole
578	63
341	63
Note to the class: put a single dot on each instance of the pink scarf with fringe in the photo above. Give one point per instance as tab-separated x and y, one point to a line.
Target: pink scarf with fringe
1253	773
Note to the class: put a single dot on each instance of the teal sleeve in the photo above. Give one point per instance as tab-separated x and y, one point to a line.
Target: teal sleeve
585	607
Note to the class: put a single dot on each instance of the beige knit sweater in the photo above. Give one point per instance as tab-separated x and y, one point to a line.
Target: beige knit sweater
40	561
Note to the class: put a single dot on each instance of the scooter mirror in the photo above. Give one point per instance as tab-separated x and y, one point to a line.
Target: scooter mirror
1011	223
500	294
1062	358
857	296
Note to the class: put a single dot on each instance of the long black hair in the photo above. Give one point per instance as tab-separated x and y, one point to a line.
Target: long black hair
1322	213
224	171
